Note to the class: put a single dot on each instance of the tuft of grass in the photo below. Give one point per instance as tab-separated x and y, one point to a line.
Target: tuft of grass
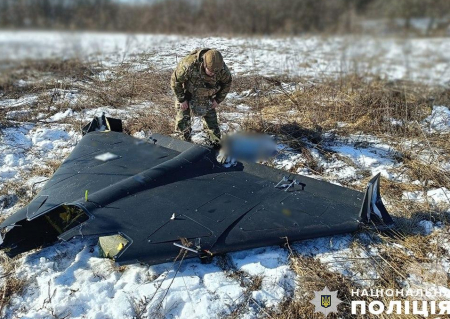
139	307
12	285
20	191
47	169
158	120
26	77
129	86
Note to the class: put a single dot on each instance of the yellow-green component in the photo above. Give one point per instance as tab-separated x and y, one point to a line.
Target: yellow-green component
86	195
65	217
111	246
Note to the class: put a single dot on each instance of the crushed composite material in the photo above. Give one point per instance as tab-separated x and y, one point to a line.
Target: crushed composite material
161	193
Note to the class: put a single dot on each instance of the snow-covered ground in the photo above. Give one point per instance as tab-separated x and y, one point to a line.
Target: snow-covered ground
68	280
425	60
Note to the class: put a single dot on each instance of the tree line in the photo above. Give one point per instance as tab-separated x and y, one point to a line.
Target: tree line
216	16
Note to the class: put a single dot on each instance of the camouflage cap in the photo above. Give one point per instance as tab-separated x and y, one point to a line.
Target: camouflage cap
213	60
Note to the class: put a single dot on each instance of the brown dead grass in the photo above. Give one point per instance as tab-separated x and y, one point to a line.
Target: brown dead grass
12	285
365	105
20	190
152	121
50	79
32	71
44	79
129	86
47	169
4	122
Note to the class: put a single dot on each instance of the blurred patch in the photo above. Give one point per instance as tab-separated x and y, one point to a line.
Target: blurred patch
251	147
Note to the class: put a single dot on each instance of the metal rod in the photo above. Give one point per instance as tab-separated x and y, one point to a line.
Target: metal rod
284	179
184	247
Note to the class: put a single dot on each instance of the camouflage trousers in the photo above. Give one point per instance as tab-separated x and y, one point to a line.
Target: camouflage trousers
210	123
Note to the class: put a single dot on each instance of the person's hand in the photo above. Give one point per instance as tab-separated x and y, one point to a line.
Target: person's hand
214	104
185	105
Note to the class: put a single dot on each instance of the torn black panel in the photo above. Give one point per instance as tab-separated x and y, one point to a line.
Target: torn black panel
25	235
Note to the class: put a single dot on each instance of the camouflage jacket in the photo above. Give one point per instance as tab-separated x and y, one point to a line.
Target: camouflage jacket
190	82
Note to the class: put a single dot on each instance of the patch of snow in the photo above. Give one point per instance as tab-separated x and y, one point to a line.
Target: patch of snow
7	172
242	107
36	181
24	101
10	160
49	138
396	122
369	158
197	124
60	116
368	154
16	138
231	116
232	96
22	147
140	134
434	196
438	121
272	265
69	278
340	170
336	254
288	160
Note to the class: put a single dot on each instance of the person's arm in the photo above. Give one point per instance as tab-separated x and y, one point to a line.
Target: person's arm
225	84
178	78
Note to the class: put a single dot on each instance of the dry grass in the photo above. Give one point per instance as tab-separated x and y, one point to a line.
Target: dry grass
367	106
18	194
49	81
12	285
20	191
26	77
47	168
159	120
44	80
129	86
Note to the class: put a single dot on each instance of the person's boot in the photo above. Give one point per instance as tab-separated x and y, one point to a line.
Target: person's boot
215	144
214	140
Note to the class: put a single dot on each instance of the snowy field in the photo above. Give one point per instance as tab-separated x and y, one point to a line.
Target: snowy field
415	59
68	280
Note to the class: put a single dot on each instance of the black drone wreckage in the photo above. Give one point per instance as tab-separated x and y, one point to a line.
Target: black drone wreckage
147	199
